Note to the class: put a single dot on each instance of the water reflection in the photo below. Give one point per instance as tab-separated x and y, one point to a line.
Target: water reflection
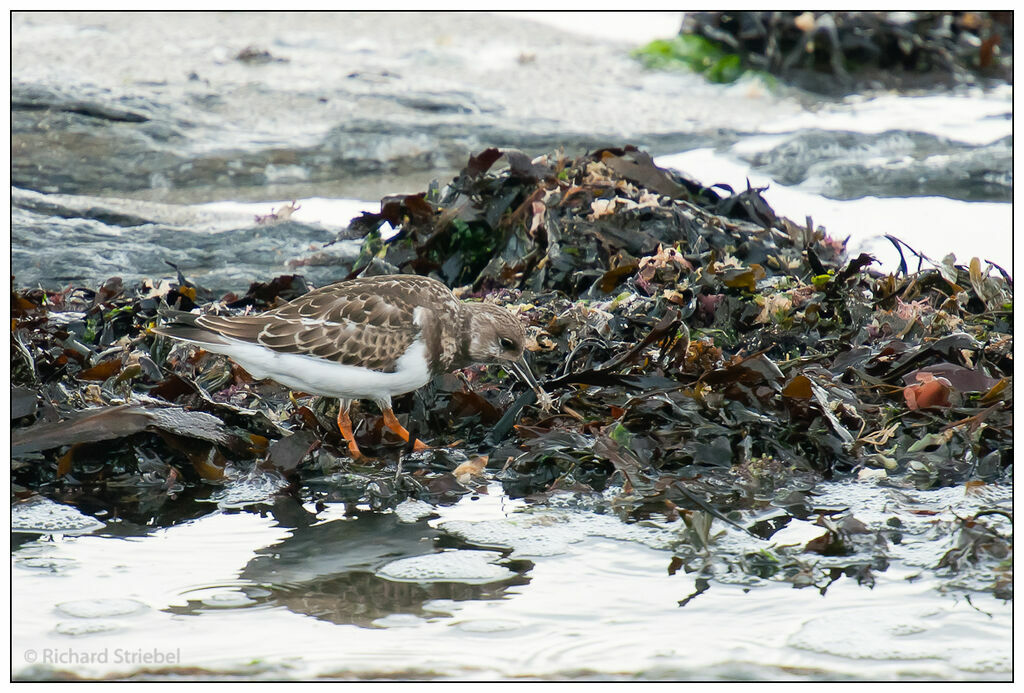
577	594
334	572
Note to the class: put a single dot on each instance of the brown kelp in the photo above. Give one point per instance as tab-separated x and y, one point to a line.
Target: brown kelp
705	357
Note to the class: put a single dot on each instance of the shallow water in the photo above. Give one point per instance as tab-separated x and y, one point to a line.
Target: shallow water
486	588
932	225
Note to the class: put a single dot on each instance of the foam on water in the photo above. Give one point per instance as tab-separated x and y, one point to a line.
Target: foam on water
468	567
101	608
43	516
549	533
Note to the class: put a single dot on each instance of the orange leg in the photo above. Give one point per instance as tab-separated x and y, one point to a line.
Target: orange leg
398	429
345	426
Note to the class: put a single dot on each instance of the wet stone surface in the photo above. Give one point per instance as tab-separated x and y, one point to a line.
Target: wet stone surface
335	105
340	101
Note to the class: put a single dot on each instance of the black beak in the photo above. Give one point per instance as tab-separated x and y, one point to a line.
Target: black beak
522	370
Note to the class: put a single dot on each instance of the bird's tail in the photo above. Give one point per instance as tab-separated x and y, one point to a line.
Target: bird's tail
182	325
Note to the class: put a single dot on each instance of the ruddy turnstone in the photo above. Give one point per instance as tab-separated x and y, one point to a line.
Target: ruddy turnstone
368	338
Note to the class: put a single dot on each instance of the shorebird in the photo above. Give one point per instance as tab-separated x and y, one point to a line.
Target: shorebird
367	338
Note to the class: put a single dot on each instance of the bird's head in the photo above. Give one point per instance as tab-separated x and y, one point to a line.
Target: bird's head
498	337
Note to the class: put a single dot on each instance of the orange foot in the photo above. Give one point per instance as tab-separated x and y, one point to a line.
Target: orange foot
345	426
398	429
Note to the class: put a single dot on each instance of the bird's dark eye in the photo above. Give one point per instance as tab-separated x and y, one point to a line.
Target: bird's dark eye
506	344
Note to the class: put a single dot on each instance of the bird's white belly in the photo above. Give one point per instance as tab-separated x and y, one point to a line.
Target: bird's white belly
328	378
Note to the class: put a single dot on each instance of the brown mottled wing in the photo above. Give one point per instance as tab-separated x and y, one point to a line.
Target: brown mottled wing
365	322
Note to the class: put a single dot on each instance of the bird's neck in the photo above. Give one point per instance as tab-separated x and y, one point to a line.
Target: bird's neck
446	348
465	322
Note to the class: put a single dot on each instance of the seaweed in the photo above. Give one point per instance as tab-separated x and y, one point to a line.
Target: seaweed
706	359
836	53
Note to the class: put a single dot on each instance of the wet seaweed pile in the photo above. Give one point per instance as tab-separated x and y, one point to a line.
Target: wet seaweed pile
706	358
842	52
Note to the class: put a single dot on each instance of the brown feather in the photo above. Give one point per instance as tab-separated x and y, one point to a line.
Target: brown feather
363	322
369	323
